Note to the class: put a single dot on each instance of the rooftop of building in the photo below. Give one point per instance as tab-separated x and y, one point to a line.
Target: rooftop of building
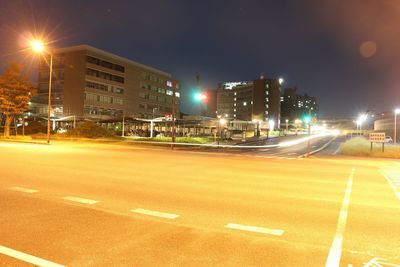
110	55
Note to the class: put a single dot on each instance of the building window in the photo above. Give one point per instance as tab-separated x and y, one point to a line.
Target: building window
244	103
169	83
105	64
169	92
104	75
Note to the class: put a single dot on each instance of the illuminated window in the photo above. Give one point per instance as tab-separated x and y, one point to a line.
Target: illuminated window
244	103
169	83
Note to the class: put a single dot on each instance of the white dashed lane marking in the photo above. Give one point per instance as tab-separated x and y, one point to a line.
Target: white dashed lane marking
81	200
28	258
153	213
23	189
254	229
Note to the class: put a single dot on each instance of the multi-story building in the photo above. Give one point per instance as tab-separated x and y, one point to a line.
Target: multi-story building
257	100
295	106
93	83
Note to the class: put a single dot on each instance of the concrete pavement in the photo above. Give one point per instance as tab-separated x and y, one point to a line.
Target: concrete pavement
102	205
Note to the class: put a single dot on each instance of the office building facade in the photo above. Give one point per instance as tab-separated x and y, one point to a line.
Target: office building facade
93	83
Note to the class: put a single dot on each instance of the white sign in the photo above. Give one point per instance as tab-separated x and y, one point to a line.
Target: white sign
377	137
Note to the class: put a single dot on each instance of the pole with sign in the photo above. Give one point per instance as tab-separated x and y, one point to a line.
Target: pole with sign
377	138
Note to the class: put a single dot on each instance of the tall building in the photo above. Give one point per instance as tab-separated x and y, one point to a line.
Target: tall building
93	83
294	106
257	100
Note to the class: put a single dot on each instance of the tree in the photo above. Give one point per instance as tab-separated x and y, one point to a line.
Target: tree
16	90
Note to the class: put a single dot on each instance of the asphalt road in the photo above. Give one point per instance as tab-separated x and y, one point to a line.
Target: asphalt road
288	152
107	205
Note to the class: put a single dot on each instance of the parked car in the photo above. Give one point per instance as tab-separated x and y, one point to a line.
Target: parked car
388	139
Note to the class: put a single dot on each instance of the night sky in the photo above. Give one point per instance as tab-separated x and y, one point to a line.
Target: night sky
344	52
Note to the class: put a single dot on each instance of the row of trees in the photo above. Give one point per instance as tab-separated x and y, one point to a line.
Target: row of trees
16	91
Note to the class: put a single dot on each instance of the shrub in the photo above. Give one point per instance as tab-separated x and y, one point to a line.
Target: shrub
89	130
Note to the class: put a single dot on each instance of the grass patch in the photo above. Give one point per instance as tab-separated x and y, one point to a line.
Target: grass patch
193	140
360	146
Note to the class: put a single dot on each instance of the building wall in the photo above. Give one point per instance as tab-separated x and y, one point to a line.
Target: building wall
258	100
386	125
97	84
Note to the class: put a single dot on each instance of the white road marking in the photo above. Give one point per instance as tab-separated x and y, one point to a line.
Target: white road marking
28	258
255	229
23	189
335	251
81	200
156	213
396	192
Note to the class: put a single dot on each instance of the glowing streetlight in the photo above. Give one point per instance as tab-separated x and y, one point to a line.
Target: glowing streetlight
271	124
396	112
39	48
281	81
360	121
287	126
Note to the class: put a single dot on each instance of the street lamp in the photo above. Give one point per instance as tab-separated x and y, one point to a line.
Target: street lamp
39	48
396	111
361	119
287	126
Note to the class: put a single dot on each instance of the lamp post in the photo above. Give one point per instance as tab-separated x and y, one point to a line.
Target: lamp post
361	119
287	126
396	111
39	47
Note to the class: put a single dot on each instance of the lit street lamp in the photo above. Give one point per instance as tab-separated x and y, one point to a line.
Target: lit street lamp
396	112
360	121
39	48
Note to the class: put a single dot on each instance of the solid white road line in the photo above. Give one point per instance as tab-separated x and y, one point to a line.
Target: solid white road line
255	229
396	192
81	200
335	252
23	189
28	258
156	213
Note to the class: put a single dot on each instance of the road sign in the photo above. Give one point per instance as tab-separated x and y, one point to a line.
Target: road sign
377	137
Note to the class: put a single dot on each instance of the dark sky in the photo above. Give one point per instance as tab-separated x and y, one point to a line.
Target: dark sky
313	44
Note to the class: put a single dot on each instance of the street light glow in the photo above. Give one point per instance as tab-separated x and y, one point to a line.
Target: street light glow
397	111
37	46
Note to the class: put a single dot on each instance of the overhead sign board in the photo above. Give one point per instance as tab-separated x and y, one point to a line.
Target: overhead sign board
377	137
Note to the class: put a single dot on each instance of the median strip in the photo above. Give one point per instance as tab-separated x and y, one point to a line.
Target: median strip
28	258
254	229
81	200
23	189
156	213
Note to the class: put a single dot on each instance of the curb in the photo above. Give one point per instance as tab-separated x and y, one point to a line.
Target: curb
319	149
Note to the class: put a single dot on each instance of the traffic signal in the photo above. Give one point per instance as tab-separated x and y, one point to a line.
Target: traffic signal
200	97
306	119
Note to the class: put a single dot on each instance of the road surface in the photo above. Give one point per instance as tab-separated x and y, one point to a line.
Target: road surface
108	205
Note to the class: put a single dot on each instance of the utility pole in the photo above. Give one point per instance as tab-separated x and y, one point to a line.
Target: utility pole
309	133
173	118
123	125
